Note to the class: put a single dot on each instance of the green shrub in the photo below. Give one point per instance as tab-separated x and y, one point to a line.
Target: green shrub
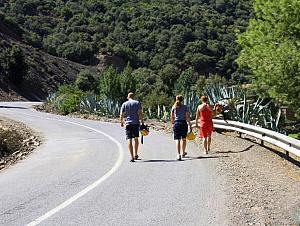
14	64
110	84
86	81
66	100
67	89
295	135
69	104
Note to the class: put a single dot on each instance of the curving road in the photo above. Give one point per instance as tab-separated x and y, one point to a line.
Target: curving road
81	175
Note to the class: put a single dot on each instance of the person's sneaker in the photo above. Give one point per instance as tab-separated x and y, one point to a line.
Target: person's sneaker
184	154
179	157
131	160
136	157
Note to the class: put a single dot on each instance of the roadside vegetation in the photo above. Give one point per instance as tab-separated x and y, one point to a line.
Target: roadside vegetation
166	45
190	48
148	34
16	142
239	104
13	64
10	142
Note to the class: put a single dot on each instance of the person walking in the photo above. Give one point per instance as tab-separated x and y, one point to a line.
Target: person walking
131	112
204	113
180	118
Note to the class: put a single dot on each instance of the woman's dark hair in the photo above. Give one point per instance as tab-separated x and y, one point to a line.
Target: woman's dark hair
204	99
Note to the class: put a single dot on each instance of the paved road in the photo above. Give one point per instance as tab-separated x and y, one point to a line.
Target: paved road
81	175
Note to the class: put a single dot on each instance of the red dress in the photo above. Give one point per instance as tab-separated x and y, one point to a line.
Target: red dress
206	123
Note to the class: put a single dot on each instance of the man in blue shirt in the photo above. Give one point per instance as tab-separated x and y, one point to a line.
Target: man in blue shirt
131	111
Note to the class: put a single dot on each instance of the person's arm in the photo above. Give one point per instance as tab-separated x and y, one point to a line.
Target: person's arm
122	119
141	116
188	117
172	117
122	114
197	116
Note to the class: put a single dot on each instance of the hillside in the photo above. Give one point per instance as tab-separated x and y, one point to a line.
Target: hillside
147	34
161	41
45	72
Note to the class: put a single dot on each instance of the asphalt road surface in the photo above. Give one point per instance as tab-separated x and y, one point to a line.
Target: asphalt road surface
81	175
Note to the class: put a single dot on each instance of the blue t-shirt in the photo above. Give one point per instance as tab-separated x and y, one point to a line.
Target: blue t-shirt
180	112
131	110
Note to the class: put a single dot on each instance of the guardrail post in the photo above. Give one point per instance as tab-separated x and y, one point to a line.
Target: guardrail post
287	154
240	135
261	142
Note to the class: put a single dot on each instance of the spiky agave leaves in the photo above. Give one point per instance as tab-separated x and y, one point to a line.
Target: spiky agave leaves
247	109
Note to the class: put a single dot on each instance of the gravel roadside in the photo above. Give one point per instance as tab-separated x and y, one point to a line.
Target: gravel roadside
264	188
16	141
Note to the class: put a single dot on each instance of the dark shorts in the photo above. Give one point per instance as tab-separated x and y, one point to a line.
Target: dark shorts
180	130
132	131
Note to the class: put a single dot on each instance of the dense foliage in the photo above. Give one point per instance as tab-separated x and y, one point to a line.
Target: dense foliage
271	50
148	34
13	64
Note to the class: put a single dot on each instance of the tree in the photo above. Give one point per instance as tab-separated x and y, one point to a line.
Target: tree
270	50
169	74
86	81
145	82
127	81
14	64
110	85
148	34
185	82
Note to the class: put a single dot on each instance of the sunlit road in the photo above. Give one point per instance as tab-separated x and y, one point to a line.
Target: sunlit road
81	175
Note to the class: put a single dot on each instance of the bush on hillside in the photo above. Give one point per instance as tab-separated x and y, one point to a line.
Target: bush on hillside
14	64
86	81
69	104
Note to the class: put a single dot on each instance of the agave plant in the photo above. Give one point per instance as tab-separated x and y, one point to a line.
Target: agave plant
161	113
54	100
112	107
240	107
90	104
192	100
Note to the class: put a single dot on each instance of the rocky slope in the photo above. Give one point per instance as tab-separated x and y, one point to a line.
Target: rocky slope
45	73
16	141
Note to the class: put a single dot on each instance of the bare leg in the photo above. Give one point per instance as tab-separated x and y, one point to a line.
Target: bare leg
130	148
208	143
178	146
205	144
136	145
183	145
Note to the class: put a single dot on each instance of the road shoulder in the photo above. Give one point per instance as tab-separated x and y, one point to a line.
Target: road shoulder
264	187
16	141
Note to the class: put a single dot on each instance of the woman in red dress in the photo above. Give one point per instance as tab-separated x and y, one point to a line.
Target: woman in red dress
204	113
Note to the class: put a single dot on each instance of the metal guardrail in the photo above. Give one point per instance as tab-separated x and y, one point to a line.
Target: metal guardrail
287	143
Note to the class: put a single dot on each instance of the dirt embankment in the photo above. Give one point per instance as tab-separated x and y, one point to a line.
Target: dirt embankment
16	141
45	72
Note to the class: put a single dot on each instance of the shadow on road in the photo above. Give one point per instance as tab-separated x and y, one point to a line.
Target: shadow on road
184	159
235	152
160	160
212	157
284	156
10	107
